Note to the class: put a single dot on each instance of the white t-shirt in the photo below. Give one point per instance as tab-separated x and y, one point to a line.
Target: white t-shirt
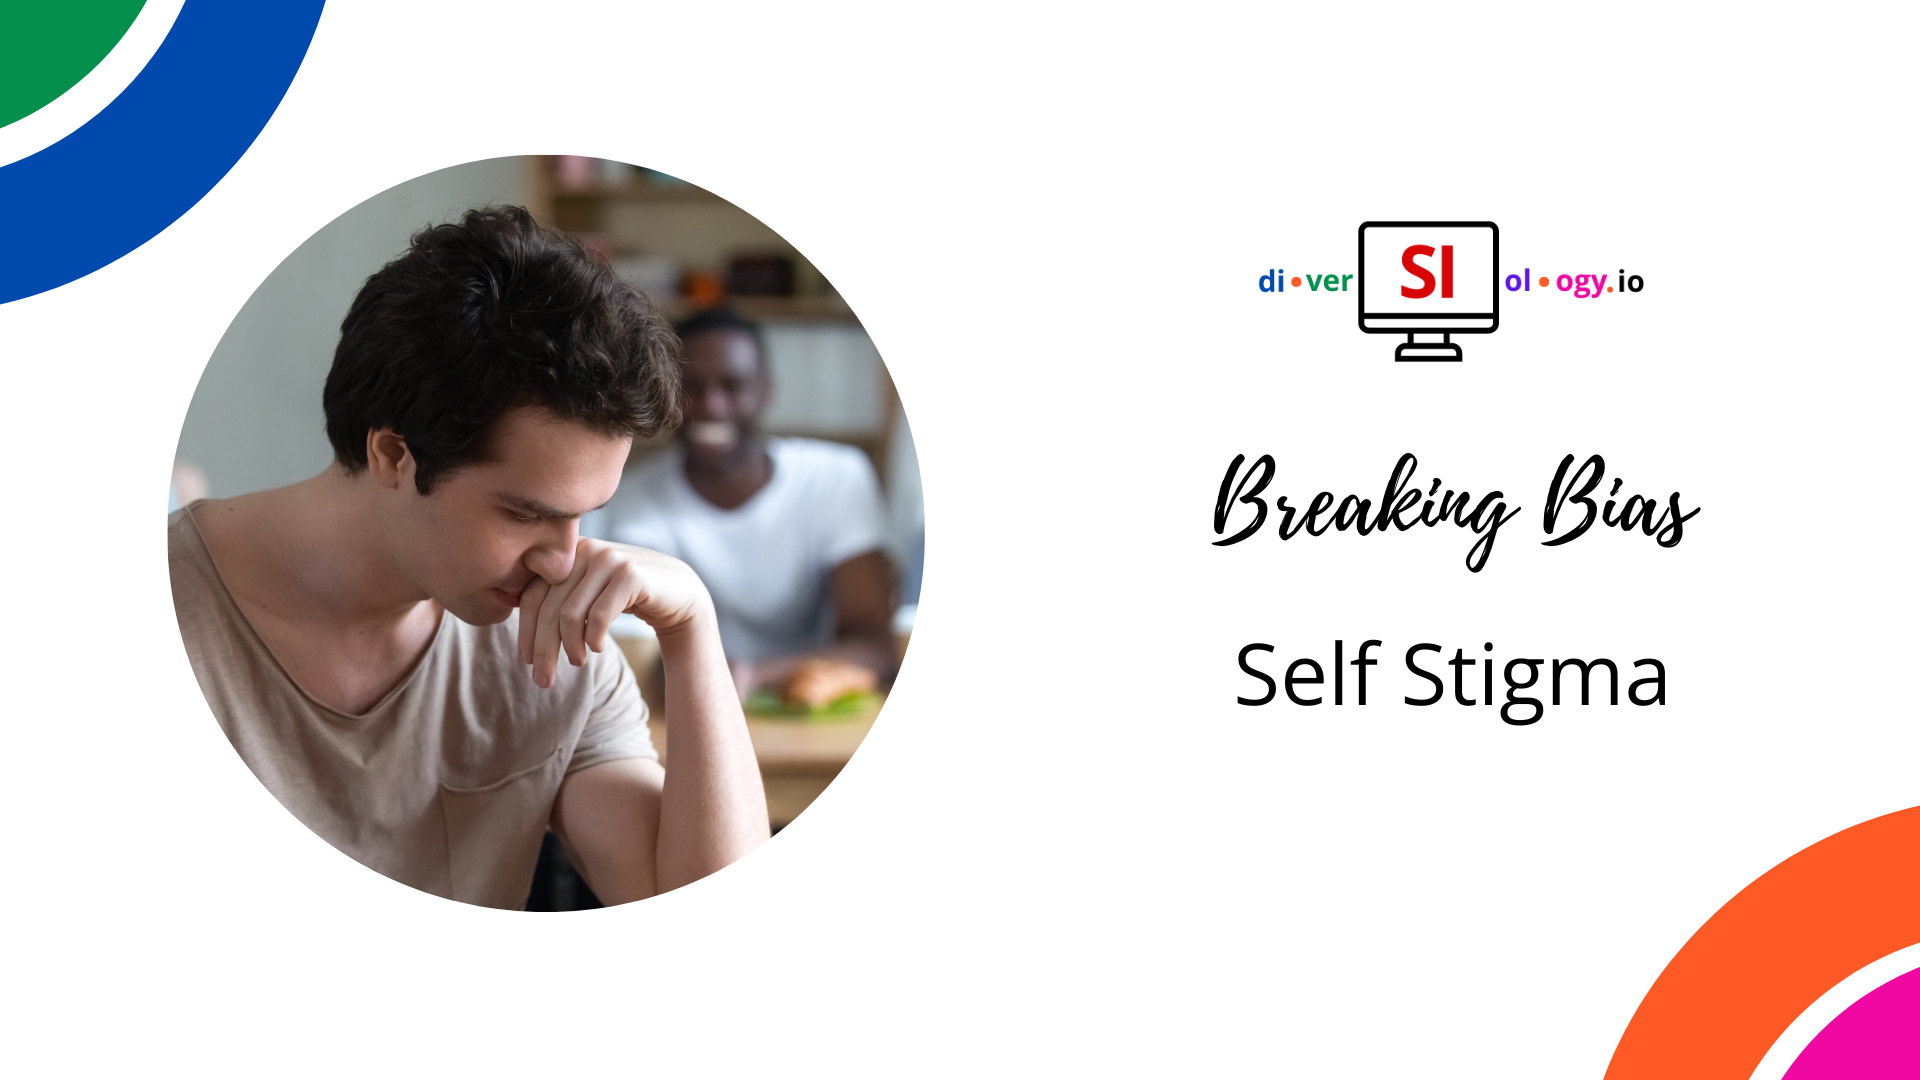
768	562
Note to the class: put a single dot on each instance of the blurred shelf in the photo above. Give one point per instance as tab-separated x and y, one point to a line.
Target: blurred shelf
638	191
812	309
581	210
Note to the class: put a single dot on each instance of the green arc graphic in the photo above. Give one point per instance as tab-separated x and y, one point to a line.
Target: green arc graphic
48	45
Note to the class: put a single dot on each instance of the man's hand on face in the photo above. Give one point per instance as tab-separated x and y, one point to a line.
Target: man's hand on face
607	579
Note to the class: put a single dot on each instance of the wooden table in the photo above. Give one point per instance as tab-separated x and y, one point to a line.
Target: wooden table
798	758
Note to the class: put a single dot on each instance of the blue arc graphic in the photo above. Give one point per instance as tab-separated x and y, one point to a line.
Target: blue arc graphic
157	149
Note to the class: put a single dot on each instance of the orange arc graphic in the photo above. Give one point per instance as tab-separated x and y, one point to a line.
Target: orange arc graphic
1786	939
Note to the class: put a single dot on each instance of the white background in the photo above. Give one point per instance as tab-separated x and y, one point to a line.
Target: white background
1065	849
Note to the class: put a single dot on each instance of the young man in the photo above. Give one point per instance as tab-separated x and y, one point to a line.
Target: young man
357	633
786	532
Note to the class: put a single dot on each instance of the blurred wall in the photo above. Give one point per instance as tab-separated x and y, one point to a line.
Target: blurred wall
255	420
826	381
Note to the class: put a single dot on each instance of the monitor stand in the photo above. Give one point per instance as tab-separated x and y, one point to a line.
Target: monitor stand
1415	349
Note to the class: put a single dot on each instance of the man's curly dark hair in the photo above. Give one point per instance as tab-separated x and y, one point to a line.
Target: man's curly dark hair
489	314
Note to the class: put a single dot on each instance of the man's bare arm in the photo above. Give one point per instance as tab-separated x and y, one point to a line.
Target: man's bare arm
636	830
608	819
863	612
713	808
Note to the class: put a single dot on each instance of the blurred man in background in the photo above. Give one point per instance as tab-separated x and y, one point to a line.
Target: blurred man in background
786	533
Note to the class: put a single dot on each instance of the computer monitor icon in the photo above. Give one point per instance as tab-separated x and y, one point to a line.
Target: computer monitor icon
1428	278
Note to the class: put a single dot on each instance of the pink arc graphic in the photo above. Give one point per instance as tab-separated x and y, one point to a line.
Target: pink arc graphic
1877	1037
1770	952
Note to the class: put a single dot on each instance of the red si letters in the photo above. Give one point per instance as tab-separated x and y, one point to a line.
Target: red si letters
1425	275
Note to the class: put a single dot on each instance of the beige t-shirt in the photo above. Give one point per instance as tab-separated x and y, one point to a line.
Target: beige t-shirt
447	783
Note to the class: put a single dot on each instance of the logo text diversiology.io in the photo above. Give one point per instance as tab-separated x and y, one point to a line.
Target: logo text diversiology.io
1582	286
